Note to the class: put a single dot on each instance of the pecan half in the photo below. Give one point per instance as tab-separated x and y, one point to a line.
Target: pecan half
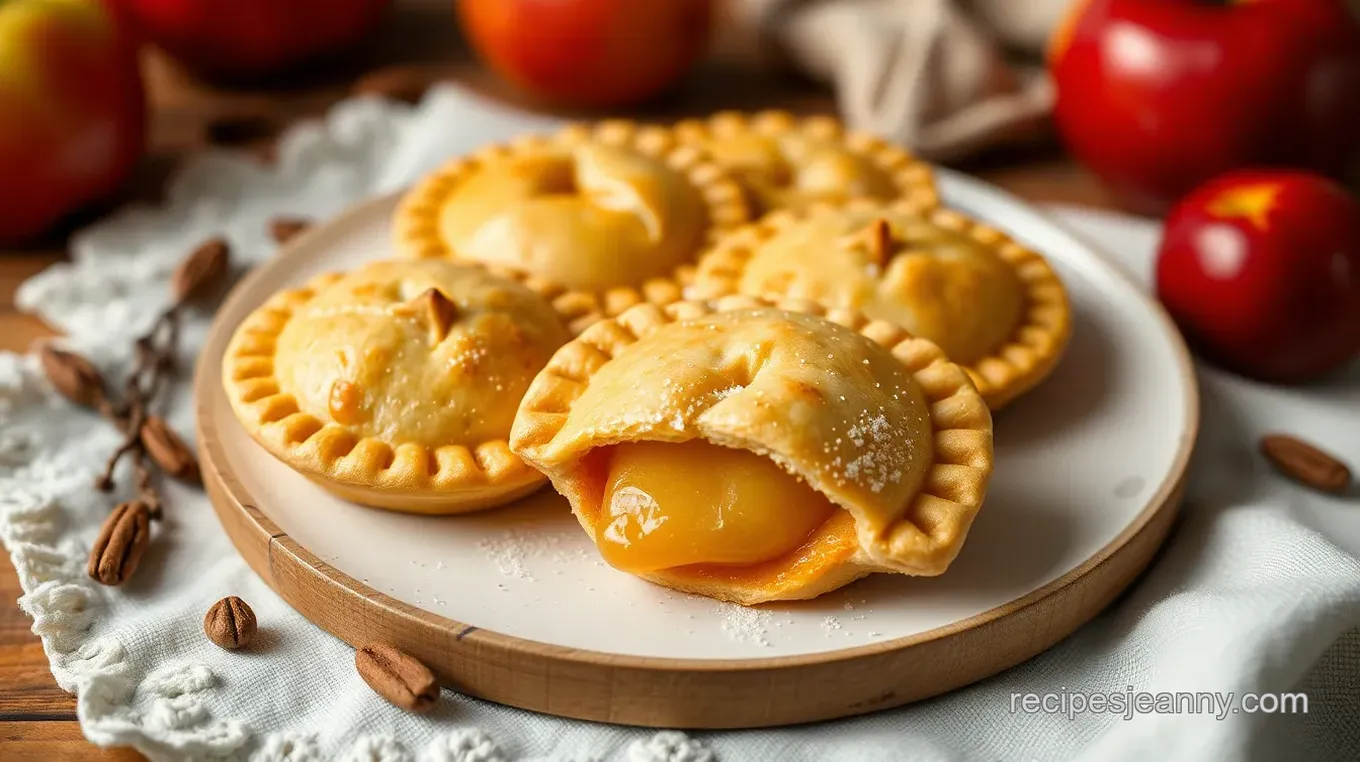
168	450
121	542
1305	463
73	376
282	229
201	271
230	623
397	677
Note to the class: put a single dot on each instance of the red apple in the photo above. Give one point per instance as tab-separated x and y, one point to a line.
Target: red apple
252	38
1158	96
591	53
72	112
1261	269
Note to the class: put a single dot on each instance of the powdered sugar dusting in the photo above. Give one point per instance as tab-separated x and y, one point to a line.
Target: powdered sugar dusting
722	394
507	554
676	405
875	428
881	455
745	625
510	551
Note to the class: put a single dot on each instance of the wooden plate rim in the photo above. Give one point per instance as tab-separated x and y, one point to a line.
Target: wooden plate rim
225	487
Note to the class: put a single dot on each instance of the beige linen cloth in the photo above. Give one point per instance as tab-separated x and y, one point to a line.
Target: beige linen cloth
937	76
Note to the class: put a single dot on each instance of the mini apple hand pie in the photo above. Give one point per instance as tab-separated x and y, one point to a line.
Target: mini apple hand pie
787	163
993	306
612	211
751	453
395	385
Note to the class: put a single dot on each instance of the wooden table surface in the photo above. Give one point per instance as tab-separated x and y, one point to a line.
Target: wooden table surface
37	719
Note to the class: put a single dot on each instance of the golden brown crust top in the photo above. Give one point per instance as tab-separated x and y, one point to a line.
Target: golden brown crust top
402	376
992	304
611	210
786	162
878	421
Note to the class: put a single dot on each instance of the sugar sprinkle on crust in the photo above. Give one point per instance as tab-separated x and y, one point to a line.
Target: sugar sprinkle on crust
919	537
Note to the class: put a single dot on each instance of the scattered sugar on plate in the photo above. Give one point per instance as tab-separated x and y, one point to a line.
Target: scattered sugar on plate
507	552
745	625
830	624
512	549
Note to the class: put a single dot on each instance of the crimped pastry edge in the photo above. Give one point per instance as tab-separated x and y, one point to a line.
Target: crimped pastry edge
1027	357
416	222
955	483
399	476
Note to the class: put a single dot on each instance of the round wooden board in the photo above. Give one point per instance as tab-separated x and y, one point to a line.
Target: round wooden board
660	691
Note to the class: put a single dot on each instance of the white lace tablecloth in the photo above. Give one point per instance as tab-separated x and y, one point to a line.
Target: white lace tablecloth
1258	589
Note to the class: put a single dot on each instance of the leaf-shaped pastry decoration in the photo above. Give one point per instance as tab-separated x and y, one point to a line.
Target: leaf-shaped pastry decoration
621	182
875	239
436	310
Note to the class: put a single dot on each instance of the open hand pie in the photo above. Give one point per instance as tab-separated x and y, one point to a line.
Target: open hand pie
749	452
395	385
787	163
992	305
611	210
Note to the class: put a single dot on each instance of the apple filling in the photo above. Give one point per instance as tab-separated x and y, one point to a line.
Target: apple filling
668	505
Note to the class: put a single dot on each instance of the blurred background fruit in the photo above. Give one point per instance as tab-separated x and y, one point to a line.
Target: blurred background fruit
589	53
1157	97
1261	269
72	110
252	38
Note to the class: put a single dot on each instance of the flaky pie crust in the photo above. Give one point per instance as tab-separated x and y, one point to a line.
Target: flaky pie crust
911	179
1029	354
417	219
886	526
375	471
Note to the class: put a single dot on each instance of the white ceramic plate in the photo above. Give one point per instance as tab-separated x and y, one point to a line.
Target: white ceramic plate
1078	460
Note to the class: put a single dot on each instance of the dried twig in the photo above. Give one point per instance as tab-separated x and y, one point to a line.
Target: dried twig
147	441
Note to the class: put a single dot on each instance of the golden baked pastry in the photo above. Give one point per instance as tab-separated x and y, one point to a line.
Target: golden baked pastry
752	452
784	162
395	385
612	210
992	305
